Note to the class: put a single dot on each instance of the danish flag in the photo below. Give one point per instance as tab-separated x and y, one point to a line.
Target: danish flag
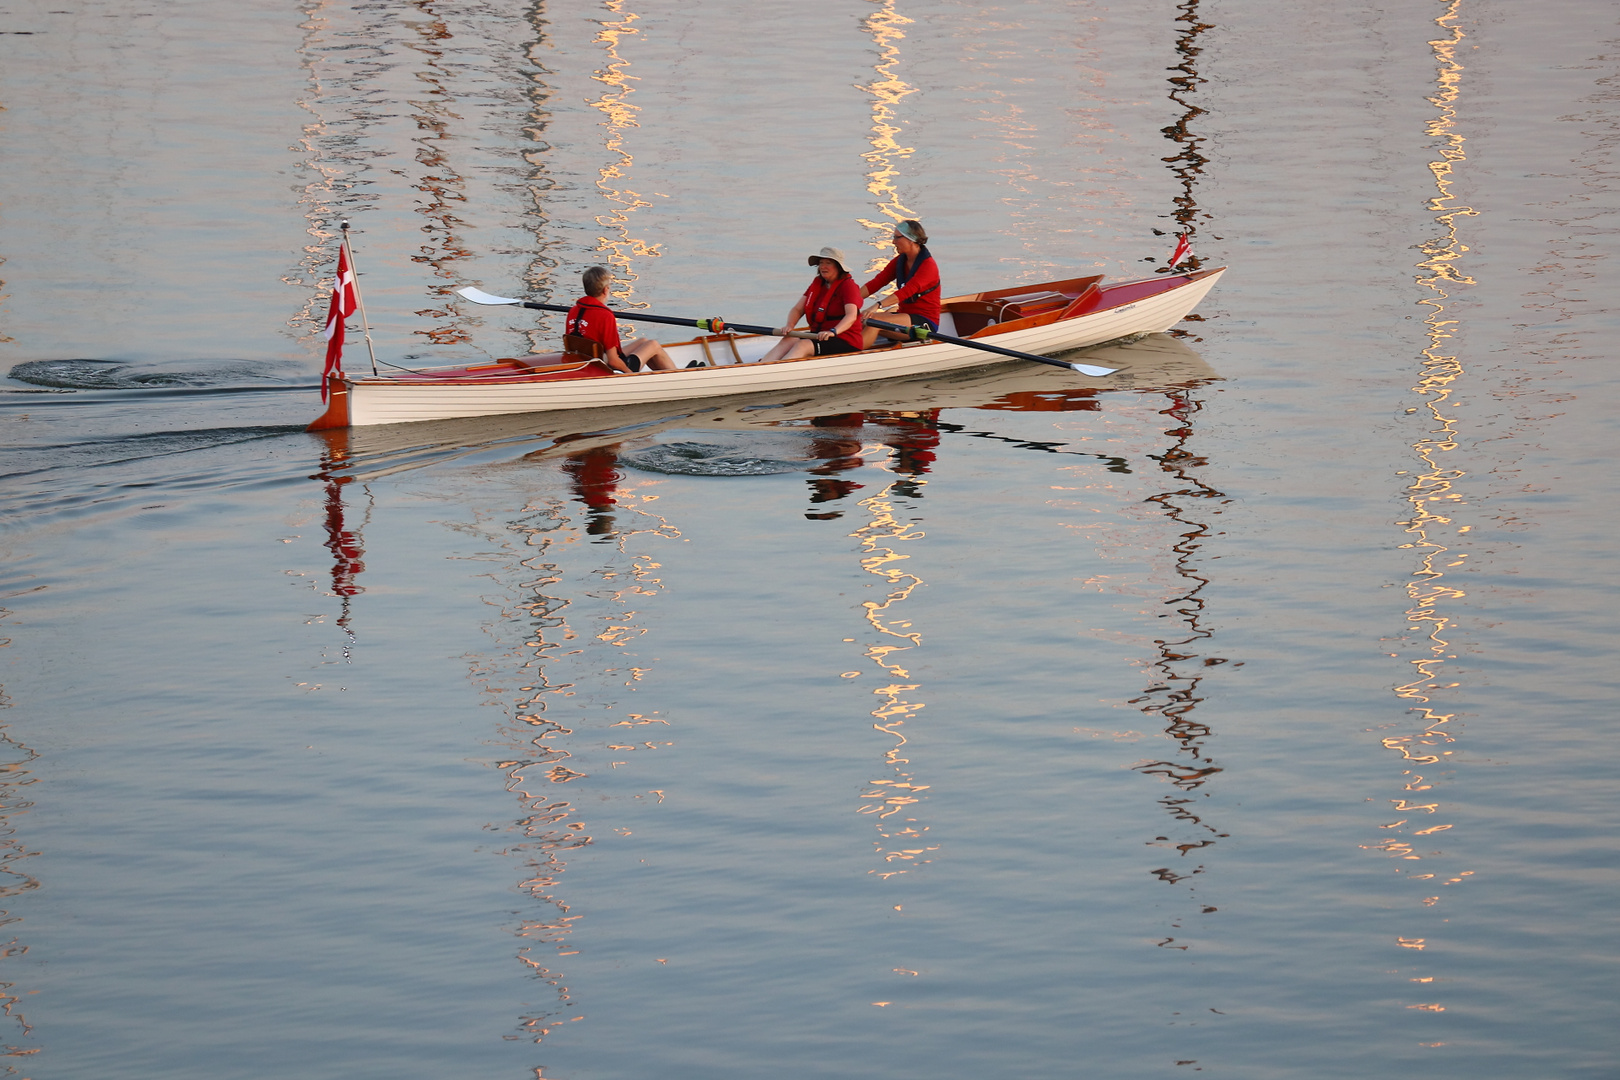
1183	249
343	305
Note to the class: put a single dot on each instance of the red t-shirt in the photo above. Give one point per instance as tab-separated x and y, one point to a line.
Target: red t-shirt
824	306
590	318
919	295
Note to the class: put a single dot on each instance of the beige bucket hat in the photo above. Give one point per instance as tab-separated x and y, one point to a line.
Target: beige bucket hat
831	253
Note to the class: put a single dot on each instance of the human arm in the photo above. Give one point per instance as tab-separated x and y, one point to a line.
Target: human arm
793	317
885	276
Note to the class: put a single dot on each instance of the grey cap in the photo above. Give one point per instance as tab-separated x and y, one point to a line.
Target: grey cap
831	253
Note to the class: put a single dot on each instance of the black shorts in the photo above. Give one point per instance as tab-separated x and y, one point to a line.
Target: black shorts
631	361
833	346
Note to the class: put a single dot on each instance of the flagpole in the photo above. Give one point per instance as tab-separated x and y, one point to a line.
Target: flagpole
364	325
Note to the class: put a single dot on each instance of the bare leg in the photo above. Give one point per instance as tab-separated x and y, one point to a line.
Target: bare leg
788	349
652	354
900	332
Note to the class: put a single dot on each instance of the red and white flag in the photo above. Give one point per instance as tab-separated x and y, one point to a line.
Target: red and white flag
1183	249
343	305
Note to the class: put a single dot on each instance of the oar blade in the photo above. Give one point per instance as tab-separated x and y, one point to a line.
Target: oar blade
1093	370
479	296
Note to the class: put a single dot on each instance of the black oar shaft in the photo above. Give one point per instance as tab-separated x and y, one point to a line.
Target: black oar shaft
716	326
641	316
934	335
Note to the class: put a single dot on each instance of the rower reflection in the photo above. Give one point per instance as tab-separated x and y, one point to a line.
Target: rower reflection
914	438
594	477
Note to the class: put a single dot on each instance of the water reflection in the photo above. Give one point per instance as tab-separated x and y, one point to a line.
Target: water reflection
1434	493
343	541
618	245
538	273
15	779
594	476
887	90
1188	162
913	436
565	638
906	448
330	140
895	796
1182	661
440	183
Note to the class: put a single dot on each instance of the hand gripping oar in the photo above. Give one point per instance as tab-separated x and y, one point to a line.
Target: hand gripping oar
717	326
923	333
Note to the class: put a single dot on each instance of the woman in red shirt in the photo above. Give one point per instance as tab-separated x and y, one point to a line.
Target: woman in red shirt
916	279
831	305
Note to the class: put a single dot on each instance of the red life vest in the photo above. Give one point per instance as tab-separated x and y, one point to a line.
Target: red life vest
824	306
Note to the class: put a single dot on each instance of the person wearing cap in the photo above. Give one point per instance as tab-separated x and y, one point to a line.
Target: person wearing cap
831	305
590	318
916	279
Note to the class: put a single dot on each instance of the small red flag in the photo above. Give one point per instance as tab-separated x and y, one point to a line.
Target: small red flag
343	305
1183	249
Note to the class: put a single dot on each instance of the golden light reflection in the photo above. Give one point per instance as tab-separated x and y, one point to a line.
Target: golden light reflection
1433	494
618	246
887	90
893	798
539	735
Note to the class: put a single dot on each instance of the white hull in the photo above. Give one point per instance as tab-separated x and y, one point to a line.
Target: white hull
388	401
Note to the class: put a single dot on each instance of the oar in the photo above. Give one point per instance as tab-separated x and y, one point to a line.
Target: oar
923	333
713	326
718	325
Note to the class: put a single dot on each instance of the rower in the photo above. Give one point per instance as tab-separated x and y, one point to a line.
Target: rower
590	321
916	279
831	304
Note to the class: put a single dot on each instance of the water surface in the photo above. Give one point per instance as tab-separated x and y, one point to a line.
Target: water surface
1246	715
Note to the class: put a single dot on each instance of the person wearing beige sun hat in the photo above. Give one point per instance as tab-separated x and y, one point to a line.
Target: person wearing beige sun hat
832	306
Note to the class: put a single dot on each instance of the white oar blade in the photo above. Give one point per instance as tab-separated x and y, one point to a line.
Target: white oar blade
479	296
1093	369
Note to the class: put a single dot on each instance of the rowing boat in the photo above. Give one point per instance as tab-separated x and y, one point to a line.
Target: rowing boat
1057	316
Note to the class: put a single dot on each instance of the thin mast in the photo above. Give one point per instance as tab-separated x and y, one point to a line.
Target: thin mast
364	325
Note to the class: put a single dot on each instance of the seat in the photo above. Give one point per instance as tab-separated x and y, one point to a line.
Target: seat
582	347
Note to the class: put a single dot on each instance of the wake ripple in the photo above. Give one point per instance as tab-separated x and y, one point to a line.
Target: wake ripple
121	375
703	459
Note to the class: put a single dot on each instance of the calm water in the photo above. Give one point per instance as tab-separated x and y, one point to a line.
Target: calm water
1252	716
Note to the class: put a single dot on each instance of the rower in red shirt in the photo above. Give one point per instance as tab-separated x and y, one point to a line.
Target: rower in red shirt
832	306
917	286
590	318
